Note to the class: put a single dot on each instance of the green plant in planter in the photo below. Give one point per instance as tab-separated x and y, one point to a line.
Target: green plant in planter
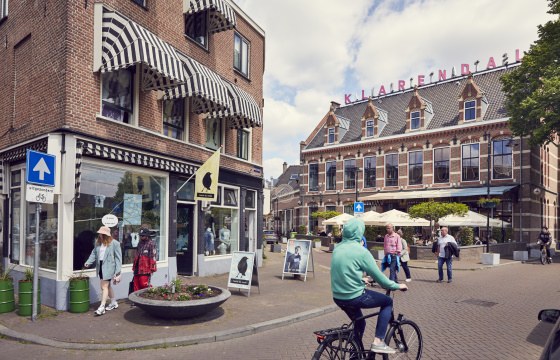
7	299
488	203
5	275
28	275
26	294
79	292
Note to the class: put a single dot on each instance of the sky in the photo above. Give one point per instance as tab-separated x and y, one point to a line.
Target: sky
319	50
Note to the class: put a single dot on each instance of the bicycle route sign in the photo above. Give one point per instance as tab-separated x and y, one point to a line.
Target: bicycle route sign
40	177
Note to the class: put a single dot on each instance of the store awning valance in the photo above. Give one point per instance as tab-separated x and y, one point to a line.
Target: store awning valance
221	16
125	43
440	193
245	111
205	87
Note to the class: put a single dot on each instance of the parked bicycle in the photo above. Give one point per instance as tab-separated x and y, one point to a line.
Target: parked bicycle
341	344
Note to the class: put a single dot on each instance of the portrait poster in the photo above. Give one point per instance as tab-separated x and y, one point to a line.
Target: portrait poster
241	270
297	256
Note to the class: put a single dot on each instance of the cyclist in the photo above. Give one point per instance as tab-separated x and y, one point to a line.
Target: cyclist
349	261
545	240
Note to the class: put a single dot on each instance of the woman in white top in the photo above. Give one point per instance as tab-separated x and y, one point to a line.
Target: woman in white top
405	256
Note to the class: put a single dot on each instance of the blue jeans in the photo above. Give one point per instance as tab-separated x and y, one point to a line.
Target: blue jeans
369	299
449	263
393	269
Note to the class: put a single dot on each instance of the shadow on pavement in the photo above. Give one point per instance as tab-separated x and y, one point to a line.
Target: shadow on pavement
540	333
140	317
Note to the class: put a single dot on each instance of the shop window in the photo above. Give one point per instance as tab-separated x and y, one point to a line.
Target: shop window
250	199
502	159
415	120
415	165
470	162
441	165
370	164
213	133
243	144
350	174
313	221
22	244
196	28
3	9
330	175
186	191
136	197
470	110
223	223
331	137
349	209
241	54
313	177
392	170
174	119
117	95
230	197
369	128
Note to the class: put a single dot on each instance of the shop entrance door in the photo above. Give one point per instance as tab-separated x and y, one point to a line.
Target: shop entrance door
251	230
185	238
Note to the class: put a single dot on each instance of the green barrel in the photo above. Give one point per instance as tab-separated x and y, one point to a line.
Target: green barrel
79	296
26	298
7	302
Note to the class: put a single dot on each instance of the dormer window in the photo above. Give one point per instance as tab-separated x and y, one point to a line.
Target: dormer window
415	120
470	110
369	128
331	137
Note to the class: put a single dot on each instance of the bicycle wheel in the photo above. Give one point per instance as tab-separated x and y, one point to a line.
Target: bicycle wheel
337	348
543	256
406	338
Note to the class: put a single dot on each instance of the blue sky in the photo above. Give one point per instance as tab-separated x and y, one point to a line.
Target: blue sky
318	50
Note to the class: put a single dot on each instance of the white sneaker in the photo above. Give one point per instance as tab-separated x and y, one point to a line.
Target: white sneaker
382	349
112	306
100	311
408	280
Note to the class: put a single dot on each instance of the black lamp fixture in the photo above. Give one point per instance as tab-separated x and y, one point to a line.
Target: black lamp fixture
339	156
402	147
427	144
454	139
321	158
379	150
338	197
358	153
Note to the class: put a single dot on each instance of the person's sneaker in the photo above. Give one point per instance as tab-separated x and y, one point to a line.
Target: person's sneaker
449	280
112	306
382	349
438	281
100	311
408	280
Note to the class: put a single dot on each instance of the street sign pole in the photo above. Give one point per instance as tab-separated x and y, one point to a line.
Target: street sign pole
36	263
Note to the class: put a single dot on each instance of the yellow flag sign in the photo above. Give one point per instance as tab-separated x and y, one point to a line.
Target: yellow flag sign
206	181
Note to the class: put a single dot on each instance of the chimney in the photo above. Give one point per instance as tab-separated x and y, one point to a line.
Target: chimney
334	105
284	167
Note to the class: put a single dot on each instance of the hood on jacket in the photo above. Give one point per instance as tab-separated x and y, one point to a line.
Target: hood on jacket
353	230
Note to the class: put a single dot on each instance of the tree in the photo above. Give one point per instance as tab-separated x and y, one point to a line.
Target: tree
325	215
532	90
434	211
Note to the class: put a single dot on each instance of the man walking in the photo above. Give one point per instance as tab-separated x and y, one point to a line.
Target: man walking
392	246
445	256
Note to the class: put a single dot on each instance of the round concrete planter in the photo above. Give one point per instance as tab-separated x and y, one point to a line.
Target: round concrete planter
179	309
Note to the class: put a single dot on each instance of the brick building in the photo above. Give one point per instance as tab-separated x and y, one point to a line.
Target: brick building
285	200
436	141
132	96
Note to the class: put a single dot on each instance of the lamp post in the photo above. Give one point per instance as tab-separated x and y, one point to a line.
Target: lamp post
276	218
488	139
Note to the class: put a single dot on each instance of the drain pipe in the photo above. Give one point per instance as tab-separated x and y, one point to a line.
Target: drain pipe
521	188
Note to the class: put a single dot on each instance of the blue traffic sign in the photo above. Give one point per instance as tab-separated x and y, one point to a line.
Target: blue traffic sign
358	207
40	168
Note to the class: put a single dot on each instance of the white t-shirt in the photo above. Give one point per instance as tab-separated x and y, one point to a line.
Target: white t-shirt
102	249
442	241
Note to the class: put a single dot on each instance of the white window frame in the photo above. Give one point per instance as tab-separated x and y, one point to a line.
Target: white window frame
242	40
412	115
461	157
493	156
434	165
143	4
327	173
385	169
3	9
207	36
186	118
330	131
369	125
373	168
222	133
249	133
135	97
355	175
470	107
408	166
309	176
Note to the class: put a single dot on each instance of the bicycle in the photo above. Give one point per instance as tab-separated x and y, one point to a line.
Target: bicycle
339	343
544	258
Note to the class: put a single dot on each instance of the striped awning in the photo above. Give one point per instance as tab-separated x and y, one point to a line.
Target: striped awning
125	43
1	176
206	89
221	16
78	172
245	111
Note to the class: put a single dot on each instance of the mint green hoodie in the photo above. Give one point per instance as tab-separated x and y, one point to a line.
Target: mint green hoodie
350	260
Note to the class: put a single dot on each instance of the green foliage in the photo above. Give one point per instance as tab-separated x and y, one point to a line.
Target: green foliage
324	214
336	231
486	203
5	275
78	276
177	291
372	232
433	210
497	234
28	275
408	233
532	89
302	230
465	236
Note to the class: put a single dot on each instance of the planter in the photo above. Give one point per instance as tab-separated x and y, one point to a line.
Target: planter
25	305
179	309
317	244
490	259
276	248
293	235
79	296
378	254
489	205
520	255
331	247
7	301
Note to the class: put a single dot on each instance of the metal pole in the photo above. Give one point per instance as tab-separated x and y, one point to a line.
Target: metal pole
36	263
520	196
488	195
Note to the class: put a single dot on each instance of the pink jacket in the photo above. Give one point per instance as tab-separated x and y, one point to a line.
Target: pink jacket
392	244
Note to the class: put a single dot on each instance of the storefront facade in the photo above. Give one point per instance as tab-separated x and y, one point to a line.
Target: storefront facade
130	136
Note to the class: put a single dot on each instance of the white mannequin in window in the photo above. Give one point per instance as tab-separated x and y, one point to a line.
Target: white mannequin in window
225	236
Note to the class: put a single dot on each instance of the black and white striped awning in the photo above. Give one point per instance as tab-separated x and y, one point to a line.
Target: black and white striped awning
205	88
221	16
78	172
245	111
125	43
1	176
108	152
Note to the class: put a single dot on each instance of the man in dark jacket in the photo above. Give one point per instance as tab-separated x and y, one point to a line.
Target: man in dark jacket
442	241
545	239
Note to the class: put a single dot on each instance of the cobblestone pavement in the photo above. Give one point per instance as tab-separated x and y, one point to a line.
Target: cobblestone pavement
483	314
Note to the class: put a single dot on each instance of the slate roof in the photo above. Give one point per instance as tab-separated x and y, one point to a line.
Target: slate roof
287	178
443	97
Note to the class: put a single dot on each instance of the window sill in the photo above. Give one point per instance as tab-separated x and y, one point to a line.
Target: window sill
3	19
140	5
243	76
205	48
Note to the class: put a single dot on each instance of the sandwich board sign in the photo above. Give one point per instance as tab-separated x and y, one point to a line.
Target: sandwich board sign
243	272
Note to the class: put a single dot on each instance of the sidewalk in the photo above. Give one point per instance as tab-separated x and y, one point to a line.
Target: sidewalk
280	302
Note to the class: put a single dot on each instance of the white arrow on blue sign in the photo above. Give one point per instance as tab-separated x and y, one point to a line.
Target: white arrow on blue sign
358	207
40	168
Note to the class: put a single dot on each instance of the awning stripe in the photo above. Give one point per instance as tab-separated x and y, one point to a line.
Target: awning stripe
1	176
221	15
78	173
204	86
125	43
245	111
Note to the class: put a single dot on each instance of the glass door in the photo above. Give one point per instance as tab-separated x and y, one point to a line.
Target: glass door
185	236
